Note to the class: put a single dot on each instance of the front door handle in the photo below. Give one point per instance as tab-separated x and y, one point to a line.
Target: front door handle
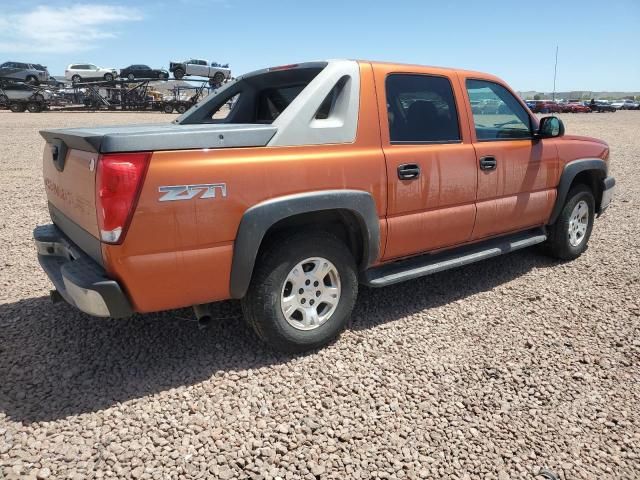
488	163
408	171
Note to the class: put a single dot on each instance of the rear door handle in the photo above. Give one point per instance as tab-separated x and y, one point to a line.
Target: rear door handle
488	163
408	171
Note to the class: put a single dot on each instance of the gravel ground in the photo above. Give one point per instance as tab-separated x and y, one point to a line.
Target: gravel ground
495	370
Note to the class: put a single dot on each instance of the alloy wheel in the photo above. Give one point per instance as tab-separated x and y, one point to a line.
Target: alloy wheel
311	293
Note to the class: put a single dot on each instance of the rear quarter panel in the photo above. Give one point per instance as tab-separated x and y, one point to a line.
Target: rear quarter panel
179	253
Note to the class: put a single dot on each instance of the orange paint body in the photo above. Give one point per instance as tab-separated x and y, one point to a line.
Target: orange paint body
178	254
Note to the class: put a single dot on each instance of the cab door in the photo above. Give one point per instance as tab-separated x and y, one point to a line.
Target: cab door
430	161
517	174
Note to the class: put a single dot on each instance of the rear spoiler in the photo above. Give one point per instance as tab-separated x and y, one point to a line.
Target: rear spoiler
160	136
87	143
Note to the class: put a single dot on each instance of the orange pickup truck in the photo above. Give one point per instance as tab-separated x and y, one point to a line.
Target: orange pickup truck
290	186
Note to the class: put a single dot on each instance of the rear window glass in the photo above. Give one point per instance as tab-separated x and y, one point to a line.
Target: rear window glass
259	98
273	101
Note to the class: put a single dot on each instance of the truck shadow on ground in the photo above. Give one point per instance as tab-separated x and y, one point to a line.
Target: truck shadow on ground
57	362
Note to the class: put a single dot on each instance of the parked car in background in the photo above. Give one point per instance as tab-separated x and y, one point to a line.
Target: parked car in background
33	73
20	97
133	72
625	105
200	68
575	107
77	72
545	106
601	106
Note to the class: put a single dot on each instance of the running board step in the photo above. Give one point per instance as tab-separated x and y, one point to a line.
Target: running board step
432	263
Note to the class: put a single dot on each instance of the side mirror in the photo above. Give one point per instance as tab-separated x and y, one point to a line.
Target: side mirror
550	127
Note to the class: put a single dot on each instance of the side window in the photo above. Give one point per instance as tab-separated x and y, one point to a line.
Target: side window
421	109
497	114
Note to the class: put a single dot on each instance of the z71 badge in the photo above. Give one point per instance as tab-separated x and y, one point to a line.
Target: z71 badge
187	192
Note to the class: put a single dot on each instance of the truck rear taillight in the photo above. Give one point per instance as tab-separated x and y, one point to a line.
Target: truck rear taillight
119	179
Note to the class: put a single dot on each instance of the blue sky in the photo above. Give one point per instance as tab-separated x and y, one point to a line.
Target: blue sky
599	41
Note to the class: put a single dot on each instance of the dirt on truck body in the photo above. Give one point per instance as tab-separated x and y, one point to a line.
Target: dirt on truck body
320	176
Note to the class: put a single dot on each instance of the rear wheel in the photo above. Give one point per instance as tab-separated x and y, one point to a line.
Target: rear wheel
302	292
76	78
4	100
31	80
181	108
568	237
131	77
167	108
178	73
34	107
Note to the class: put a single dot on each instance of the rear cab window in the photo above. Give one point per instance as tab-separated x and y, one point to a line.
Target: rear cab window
421	109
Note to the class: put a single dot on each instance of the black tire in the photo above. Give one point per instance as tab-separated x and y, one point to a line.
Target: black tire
181	108
34	107
108	77
167	108
16	107
218	78
131	77
32	80
163	76
558	243
4	100
76	79
261	304
178	73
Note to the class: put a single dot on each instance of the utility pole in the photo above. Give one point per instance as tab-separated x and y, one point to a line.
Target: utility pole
555	72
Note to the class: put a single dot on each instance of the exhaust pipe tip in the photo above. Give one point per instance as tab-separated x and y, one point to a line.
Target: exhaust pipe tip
203	316
204	322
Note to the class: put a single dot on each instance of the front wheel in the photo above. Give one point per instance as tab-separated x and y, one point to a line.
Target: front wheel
108	77
217	79
131	77
302	292
16	107
568	237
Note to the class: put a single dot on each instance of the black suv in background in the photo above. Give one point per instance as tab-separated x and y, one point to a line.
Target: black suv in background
133	72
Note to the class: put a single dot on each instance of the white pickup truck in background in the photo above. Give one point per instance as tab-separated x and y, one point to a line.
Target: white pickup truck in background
215	72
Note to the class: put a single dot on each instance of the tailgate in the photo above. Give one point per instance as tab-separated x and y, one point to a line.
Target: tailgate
70	186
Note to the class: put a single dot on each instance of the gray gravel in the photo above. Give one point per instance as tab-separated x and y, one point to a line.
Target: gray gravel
492	371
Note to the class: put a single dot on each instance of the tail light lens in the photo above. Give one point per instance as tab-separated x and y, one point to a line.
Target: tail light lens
119	179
